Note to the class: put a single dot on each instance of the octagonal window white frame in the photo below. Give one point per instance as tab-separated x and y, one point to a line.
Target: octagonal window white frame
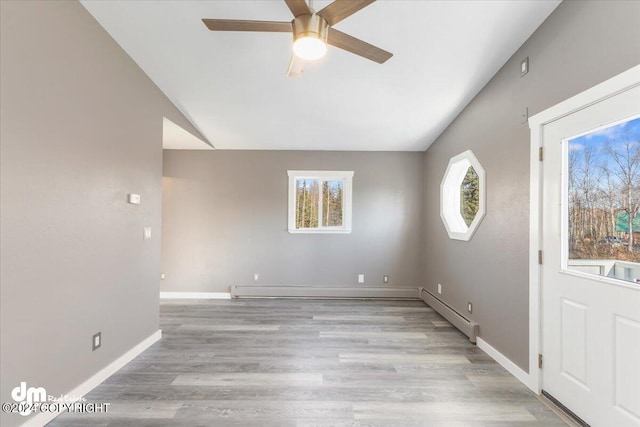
450	212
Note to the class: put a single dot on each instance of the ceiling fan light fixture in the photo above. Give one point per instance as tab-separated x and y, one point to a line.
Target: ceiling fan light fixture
310	48
310	36
312	32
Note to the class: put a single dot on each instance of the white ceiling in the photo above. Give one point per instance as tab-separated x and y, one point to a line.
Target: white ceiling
233	86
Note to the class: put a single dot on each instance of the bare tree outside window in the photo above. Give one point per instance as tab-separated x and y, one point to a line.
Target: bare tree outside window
470	196
604	194
309	193
307	196
626	168
332	192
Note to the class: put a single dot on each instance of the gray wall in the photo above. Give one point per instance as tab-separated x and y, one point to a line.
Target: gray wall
225	217
581	44
81	127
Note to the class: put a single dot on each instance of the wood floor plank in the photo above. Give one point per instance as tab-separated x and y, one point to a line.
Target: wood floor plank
230	328
373	334
221	410
428	359
248	379
304	363
359	318
459	411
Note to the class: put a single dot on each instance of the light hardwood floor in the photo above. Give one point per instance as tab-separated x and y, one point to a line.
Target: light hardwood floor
310	363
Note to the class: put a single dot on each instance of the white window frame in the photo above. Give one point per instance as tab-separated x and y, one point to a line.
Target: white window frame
345	176
450	214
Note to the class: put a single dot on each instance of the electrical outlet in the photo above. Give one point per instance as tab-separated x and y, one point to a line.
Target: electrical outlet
385	279
439	289
162	276
96	341
147	233
360	278
256	276
470	307
524	116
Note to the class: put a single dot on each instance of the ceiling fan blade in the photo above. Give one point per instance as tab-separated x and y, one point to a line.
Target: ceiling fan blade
296	66
341	9
241	25
298	7
351	44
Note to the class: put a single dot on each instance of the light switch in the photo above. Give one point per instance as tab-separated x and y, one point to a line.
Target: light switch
524	66
147	233
96	341
134	199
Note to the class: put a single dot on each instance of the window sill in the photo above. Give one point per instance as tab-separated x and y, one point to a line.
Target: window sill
319	231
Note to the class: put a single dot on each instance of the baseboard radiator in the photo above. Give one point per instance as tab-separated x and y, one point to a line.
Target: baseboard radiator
466	326
292	291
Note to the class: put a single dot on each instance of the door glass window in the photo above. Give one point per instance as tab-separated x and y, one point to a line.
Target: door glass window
603	200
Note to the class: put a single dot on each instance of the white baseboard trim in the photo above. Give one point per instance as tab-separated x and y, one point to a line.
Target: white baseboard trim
42	418
507	364
195	295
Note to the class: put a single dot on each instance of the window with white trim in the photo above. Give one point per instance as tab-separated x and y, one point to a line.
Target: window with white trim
320	201
462	196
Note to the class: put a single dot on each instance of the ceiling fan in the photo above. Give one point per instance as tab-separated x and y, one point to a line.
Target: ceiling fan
312	31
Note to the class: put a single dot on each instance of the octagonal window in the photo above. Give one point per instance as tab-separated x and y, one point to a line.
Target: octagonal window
462	200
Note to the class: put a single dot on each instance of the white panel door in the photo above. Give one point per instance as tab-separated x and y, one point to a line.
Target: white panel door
590	317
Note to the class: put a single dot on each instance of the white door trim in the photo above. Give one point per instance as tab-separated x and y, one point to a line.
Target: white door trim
604	90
